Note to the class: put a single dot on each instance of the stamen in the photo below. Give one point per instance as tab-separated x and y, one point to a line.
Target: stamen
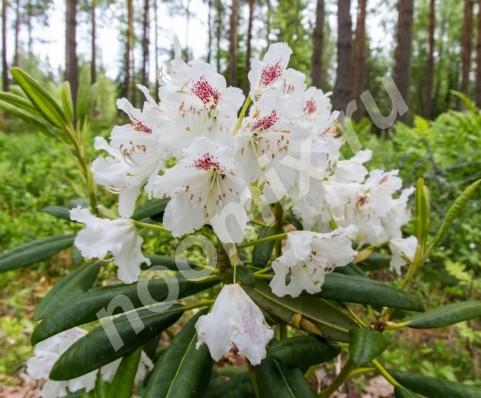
207	162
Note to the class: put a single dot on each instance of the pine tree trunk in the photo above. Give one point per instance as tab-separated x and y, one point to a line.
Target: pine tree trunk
360	50
478	59
251	4
71	62
4	46
93	43
209	32
156	47
16	56
428	96
29	27
232	68
318	45
218	32
467	45
145	44
402	54
343	87
128	51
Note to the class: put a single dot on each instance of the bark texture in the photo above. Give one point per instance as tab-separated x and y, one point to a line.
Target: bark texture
318	44
232	68
71	61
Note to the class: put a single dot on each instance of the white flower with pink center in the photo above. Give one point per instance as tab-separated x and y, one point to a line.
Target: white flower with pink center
204	189
235	322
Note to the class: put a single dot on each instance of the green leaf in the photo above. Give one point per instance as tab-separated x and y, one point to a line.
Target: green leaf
96	350
171	263
446	315
400	392
365	345
118	298
273	379
423	212
25	115
84	96
34	252
310	313
238	386
435	388
66	101
123	382
183	371
262	252
454	211
58	211
19	101
152	208
40	98
302	351
374	262
68	289
354	289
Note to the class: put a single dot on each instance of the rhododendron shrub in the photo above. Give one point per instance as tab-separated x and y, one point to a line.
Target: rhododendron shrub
290	229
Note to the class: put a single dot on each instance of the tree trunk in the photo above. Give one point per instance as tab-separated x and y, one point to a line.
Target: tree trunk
343	87
218	31
29	27
478	59
156	47
145	44
16	56
128	51
4	46
93	43
360	50
317	45
209	31
71	62
467	45
251	4
428	96
232	68
402	54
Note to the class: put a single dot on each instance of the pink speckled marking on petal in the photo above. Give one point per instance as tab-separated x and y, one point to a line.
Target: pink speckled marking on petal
310	107
206	162
140	126
271	73
266	122
205	92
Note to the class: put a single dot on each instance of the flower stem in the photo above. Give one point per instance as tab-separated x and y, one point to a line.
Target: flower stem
242	114
383	371
148	225
339	380
261	240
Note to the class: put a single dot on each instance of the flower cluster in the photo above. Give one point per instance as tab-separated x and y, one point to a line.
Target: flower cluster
208	149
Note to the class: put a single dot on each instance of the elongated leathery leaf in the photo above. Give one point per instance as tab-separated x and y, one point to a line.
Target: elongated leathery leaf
123	382
327	318
446	315
273	379
365	345
40	98
353	289
68	289
101	347
262	252
183	371
105	301
58	211
35	251
302	351
152	208
433	387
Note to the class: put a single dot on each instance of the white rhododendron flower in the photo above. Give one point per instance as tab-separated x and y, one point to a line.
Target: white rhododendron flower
234	322
201	186
403	251
47	352
308	258
118	237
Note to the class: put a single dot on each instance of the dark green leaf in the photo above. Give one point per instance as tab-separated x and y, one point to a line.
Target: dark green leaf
123	381
237	386
365	345
423	212
400	392
306	312
66	101
171	263
354	289
435	388
68	289
96	350
105	301
375	262
34	252
25	115
274	379
152	208
262	252
302	351
58	211
183	371
40	98
446	315
84	96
